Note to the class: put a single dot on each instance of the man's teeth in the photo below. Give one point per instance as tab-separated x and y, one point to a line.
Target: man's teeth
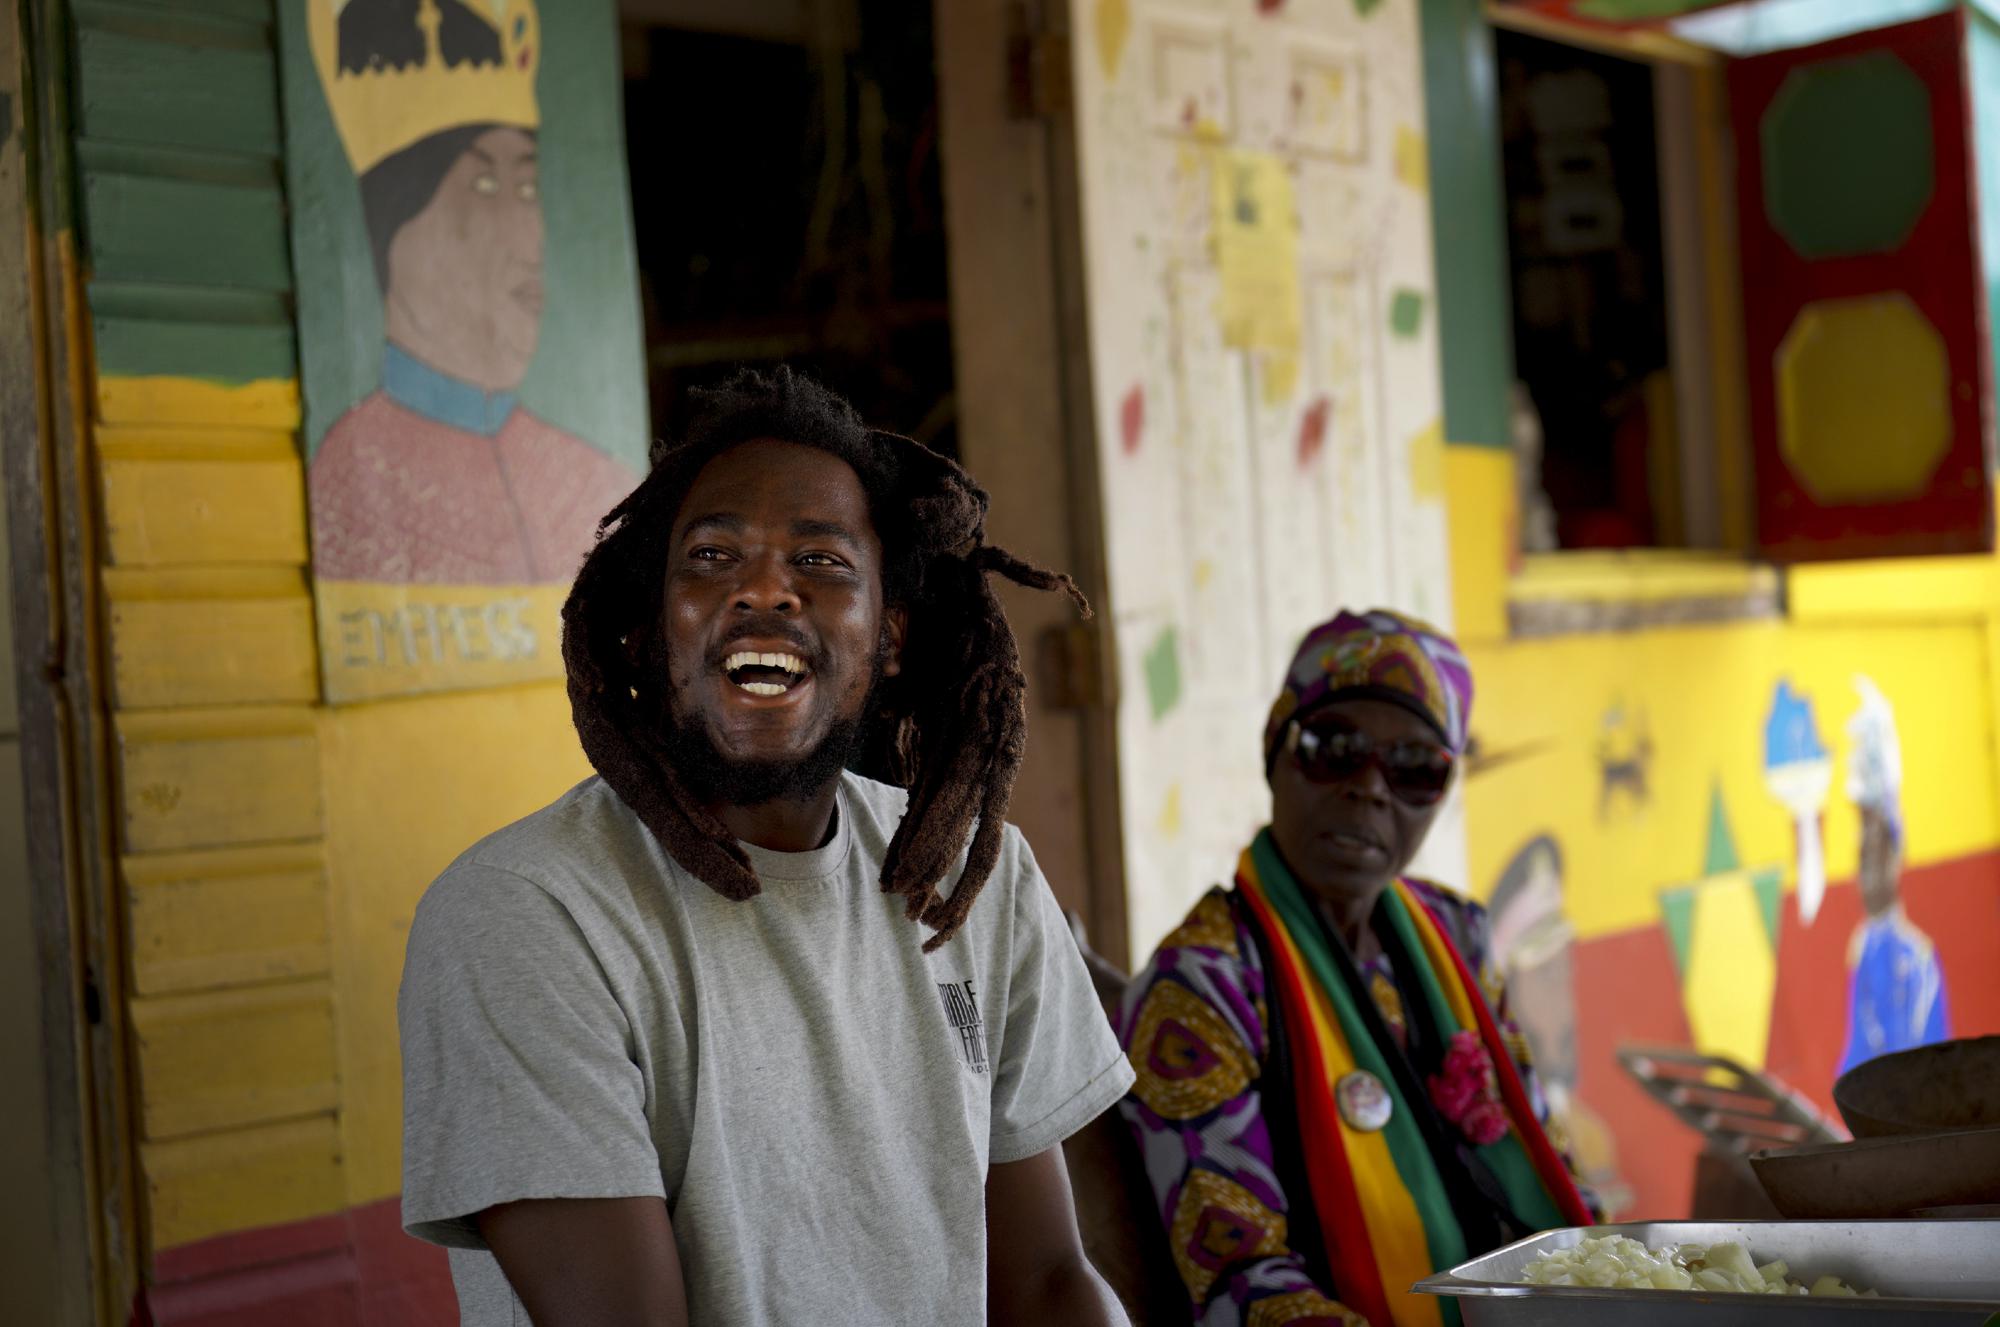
791	663
788	668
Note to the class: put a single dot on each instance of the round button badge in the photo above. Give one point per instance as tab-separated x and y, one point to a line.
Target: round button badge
1364	1103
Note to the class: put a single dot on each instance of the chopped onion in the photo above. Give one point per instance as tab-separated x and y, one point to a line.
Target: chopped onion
1615	1262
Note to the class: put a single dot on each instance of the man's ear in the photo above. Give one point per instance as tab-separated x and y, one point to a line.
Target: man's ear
895	621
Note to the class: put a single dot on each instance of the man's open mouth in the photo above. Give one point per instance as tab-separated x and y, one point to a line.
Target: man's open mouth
765	674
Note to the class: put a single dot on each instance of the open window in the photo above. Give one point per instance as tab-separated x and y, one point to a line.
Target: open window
1750	309
786	199
1593	362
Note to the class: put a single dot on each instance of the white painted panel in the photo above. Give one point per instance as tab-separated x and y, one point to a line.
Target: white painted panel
1250	489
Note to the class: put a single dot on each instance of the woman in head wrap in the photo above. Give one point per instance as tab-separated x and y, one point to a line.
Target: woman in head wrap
1332	1101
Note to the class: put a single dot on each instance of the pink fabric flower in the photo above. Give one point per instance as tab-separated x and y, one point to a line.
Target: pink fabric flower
1485	1123
1454	1094
1466	1091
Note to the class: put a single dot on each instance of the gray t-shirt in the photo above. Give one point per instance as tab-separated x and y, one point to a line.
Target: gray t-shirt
816	1098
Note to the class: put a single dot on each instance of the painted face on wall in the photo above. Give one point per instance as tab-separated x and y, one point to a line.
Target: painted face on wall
1532	944
1347	837
1881	861
463	286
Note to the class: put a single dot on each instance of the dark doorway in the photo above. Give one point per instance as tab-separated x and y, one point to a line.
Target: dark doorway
786	200
1590	295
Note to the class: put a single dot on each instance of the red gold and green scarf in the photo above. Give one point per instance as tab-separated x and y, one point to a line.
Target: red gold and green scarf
1381	1202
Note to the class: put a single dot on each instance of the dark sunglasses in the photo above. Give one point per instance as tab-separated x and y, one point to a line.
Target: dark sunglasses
1329	751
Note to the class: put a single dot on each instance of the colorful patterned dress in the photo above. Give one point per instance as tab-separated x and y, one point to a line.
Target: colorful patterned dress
1196	1025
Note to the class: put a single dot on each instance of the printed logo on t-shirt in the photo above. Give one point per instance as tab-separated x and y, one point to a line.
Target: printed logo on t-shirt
962	1008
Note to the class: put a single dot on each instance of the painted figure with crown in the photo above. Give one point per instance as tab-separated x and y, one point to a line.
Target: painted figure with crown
441	476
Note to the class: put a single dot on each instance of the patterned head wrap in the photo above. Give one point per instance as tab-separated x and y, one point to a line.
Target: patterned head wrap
1377	654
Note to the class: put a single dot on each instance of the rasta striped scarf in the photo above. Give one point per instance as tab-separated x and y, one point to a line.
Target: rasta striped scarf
1383	1203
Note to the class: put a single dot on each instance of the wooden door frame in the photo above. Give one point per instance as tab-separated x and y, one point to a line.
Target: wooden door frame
1022	366
44	429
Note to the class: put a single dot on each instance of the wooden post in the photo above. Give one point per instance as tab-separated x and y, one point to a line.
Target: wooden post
92	1269
1025	431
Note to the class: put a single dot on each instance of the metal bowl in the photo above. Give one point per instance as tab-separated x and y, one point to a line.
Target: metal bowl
1949	1085
1926	1274
1883	1177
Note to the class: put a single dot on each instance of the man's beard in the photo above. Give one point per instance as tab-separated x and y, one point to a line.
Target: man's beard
717	778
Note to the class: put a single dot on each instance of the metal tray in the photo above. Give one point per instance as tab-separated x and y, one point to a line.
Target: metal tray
1927	1273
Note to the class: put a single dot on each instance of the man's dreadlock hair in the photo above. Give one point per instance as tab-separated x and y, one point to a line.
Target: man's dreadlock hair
955	717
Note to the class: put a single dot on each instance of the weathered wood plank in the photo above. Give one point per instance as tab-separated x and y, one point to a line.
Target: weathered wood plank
201	496
215	777
164	401
223	353
239	1179
137	87
185	636
225	917
225	1059
151	228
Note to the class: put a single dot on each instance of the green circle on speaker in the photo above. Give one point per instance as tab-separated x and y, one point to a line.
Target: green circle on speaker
1847	156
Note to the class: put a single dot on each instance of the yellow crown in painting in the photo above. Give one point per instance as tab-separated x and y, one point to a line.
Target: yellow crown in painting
380	111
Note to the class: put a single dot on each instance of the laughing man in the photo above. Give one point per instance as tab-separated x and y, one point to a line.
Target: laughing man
729	1034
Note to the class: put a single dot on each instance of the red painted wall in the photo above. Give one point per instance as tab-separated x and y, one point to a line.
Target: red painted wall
1628	991
353	1268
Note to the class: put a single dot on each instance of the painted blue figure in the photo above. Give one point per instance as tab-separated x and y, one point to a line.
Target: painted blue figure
1798	770
1896	996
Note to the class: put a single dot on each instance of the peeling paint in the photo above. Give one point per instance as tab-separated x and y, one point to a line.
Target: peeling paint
1426	452
1163	673
1406	313
1312	429
1413	166
1114	25
1132	419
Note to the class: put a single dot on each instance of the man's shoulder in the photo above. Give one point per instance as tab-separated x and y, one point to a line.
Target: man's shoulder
875	810
882	806
580	842
878	810
876	800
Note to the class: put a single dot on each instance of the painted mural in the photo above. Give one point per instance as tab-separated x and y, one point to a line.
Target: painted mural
1534	947
1798	770
465	430
1695	918
1896	992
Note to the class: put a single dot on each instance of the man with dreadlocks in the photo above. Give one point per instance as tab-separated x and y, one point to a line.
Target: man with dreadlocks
720	1036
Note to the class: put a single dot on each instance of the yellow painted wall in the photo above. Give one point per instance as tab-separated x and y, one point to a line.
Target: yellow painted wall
1922	630
1705	693
274	848
409	786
